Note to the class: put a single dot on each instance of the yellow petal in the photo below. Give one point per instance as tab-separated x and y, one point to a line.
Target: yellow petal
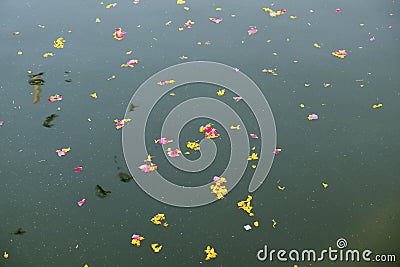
256	224
98	20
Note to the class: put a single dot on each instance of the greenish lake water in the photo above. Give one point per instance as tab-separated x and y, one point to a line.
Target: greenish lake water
352	147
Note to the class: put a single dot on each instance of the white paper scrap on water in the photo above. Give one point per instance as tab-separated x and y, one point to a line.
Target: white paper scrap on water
247	227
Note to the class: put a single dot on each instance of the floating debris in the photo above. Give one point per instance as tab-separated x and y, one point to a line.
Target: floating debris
124	177
100	192
19	231
49	119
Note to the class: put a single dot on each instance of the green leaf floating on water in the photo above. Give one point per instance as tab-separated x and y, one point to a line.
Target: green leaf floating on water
124	177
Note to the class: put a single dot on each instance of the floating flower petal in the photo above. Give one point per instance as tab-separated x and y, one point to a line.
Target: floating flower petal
216	20
339	53
211	254
131	63
81	202
63	151
121	123
252	31
312	117
55	98
156	248
119	34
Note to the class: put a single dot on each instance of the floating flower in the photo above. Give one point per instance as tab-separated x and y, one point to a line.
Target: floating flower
48	54
136	240
164	82
193	145
211	254
316	45
131	63
59	43
78	169
237	98
119	34
254	136
338	10
373	106
81	202
210	133
253	156
252	30
173	153
111	5
216	20
325	185
94	95
55	98
246	205
156	248
221	92
1	123
271	71
148	167
121	123
235	127
163	141
5	255
277	151
63	151
340	53
217	188
189	24
273	13
312	117
158	218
